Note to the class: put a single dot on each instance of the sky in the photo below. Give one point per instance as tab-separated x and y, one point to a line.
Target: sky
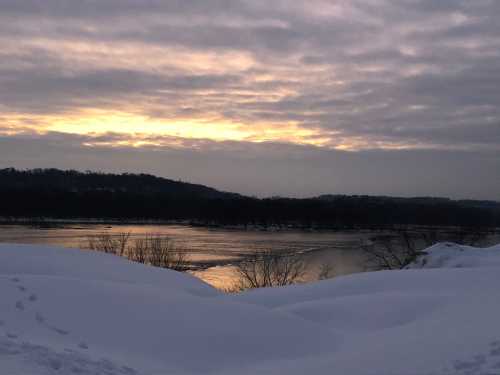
284	97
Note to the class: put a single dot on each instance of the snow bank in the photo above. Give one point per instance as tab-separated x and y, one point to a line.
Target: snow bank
76	312
451	255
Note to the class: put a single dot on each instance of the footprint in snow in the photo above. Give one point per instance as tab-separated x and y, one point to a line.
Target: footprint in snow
127	370
11	335
60	331
54	363
20	305
15	280
21	288
83	345
8	348
473	365
39	318
32	298
495	348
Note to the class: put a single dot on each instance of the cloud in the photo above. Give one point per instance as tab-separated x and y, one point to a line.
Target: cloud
51	91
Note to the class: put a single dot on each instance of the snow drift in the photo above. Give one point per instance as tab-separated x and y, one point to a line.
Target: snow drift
67	311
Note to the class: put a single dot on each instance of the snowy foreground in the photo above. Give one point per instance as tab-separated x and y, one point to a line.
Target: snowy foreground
75	312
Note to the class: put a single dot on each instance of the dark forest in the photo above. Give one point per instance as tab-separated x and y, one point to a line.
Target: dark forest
55	194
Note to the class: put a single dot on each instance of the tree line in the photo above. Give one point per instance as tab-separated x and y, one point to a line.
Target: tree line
59	194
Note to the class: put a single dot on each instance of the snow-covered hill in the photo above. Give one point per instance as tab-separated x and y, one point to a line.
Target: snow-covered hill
74	312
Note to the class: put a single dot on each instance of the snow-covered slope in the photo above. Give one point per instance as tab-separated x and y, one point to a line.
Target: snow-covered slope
75	312
451	255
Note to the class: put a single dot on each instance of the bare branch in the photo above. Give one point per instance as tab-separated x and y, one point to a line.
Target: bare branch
269	269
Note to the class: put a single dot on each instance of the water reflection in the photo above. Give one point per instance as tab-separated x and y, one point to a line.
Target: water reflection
213	252
212	249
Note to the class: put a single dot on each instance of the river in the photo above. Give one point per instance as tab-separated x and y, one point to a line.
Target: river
211	251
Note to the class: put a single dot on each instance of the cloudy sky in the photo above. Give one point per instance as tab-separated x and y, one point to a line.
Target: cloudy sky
282	97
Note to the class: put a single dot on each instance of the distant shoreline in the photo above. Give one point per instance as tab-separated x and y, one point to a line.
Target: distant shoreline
51	196
48	222
56	222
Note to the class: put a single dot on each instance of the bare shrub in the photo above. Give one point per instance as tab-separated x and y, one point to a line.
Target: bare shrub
102	242
399	250
138	252
163	253
391	252
121	242
108	243
431	236
326	271
465	235
472	235
155	250
270	269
